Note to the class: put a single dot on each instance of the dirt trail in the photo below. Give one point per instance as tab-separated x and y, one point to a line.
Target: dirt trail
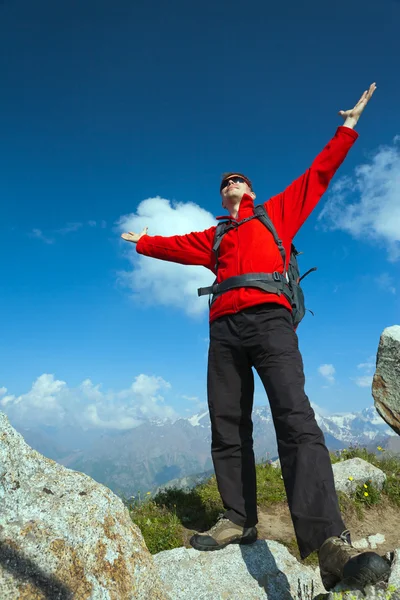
275	524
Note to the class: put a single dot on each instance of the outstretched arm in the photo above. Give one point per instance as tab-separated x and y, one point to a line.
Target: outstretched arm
190	249
290	209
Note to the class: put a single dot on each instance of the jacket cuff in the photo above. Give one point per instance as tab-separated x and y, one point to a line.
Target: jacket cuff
140	244
351	132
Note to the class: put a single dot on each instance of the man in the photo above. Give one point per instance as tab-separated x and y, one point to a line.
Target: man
250	327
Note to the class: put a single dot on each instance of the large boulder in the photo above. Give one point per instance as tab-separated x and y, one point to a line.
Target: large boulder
386	381
351	473
64	536
264	570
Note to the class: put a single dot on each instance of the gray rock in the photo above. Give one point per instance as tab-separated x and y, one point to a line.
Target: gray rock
63	536
262	571
361	471
370	543
375	540
394	580
386	381
378	592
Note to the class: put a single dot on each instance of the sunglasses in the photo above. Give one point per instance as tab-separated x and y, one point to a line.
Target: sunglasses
235	179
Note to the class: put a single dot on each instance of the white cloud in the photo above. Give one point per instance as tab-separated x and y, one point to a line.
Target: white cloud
160	282
196	404
327	371
148	386
386	283
191	398
102	224
366	205
319	410
368	367
52	402
39	235
69	228
364	381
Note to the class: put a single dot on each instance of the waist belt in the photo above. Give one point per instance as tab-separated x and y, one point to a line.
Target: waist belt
273	283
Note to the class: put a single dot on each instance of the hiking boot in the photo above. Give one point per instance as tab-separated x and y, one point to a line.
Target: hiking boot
224	532
339	560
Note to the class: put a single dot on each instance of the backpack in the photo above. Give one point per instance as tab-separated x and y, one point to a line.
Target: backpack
276	283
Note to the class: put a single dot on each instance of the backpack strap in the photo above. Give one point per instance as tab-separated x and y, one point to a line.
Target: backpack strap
222	228
220	231
273	283
263	216
307	273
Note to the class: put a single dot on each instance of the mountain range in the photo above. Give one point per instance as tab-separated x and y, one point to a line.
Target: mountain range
145	458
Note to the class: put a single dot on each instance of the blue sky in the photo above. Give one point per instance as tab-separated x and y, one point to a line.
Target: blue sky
120	114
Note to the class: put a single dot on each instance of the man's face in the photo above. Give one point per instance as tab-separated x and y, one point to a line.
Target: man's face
233	188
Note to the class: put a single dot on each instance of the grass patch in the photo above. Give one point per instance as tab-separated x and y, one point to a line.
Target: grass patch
197	508
270	488
310	561
160	527
164	519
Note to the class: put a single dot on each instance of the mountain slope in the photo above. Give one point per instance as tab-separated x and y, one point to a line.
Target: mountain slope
152	454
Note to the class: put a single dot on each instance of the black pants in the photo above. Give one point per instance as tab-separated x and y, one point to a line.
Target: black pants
263	337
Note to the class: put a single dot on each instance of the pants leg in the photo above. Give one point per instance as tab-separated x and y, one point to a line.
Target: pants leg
305	462
230	386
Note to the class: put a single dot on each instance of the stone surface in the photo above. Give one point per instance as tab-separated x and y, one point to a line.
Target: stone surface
386	381
63	536
361	544
379	592
360	470
394	579
261	571
370	543
375	540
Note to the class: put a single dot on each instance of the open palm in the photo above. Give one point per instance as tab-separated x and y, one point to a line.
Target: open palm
134	237
361	104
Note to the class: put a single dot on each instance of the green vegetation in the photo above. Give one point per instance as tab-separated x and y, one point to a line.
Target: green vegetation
168	519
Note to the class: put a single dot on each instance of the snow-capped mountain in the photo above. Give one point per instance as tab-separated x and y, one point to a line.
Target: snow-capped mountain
361	428
341	430
154	453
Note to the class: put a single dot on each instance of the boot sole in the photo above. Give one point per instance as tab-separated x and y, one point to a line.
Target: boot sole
206	548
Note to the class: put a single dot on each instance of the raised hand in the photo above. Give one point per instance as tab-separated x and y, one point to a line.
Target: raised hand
134	237
353	114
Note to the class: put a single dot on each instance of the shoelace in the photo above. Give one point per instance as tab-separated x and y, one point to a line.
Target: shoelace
344	537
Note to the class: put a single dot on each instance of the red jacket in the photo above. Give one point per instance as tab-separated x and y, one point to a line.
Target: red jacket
250	248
